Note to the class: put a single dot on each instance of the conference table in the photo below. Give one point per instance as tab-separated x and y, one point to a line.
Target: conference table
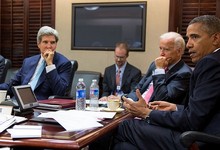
54	136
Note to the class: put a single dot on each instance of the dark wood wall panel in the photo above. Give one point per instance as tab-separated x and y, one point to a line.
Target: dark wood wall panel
20	21
183	11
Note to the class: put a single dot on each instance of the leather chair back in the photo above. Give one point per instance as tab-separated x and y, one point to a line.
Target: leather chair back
73	70
87	76
10	74
8	65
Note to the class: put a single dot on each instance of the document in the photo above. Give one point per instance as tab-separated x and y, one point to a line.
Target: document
8	120
25	131
73	120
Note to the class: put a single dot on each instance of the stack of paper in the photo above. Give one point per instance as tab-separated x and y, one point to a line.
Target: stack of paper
6	121
73	120
25	131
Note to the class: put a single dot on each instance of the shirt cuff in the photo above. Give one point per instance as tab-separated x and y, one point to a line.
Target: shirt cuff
158	71
50	68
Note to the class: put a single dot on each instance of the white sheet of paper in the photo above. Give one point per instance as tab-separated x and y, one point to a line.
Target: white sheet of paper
25	131
7	124
73	120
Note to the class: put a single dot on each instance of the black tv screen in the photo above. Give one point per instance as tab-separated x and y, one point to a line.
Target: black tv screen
99	26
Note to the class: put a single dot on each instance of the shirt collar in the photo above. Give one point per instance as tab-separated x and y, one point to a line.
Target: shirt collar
122	68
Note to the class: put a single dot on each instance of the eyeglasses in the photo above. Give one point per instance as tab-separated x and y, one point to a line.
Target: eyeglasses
120	57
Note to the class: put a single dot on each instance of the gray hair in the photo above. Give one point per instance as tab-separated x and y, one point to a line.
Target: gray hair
46	30
211	24
178	39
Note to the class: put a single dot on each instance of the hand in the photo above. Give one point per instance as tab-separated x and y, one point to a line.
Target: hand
104	98
48	57
138	109
161	62
112	97
162	105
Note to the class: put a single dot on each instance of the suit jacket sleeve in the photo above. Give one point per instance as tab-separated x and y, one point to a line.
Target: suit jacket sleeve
143	83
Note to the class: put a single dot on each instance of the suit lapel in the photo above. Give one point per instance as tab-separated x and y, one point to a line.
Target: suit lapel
41	78
112	76
126	74
31	66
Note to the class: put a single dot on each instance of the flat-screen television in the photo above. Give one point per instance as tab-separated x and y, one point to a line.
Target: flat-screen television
99	26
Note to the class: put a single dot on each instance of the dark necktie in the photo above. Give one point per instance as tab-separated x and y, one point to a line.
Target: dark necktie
166	69
118	77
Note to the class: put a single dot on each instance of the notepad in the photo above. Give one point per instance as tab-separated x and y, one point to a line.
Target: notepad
25	131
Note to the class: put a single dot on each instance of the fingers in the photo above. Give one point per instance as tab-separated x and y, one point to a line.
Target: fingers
104	98
155	103
127	100
138	93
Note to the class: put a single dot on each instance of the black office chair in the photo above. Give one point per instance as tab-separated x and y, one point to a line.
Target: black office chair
8	65
87	76
189	138
73	70
10	74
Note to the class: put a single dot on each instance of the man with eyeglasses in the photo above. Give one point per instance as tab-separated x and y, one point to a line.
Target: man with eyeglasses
121	77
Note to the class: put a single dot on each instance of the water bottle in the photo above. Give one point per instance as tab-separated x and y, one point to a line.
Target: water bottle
94	95
80	95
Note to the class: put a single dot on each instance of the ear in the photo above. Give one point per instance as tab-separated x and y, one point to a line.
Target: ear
180	51
216	39
38	45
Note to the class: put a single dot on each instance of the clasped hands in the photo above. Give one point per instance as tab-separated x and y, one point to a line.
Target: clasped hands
162	62
142	110
48	56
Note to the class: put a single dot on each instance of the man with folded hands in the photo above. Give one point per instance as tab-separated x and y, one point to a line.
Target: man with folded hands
48	73
168	76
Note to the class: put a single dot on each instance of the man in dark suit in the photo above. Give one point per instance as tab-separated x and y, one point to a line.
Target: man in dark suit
2	66
171	85
129	74
161	123
55	75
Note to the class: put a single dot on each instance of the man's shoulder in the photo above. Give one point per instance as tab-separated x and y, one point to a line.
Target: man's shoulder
1	57
132	67
58	57
110	67
30	58
185	66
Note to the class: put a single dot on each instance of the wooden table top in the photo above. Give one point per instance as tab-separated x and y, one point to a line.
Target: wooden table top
54	136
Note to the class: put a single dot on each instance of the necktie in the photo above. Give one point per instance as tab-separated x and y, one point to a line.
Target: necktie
149	92
166	69
118	77
39	70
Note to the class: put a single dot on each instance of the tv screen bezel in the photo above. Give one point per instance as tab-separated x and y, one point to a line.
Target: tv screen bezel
103	48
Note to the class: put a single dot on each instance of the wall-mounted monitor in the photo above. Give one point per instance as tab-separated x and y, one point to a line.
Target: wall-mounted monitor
99	26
